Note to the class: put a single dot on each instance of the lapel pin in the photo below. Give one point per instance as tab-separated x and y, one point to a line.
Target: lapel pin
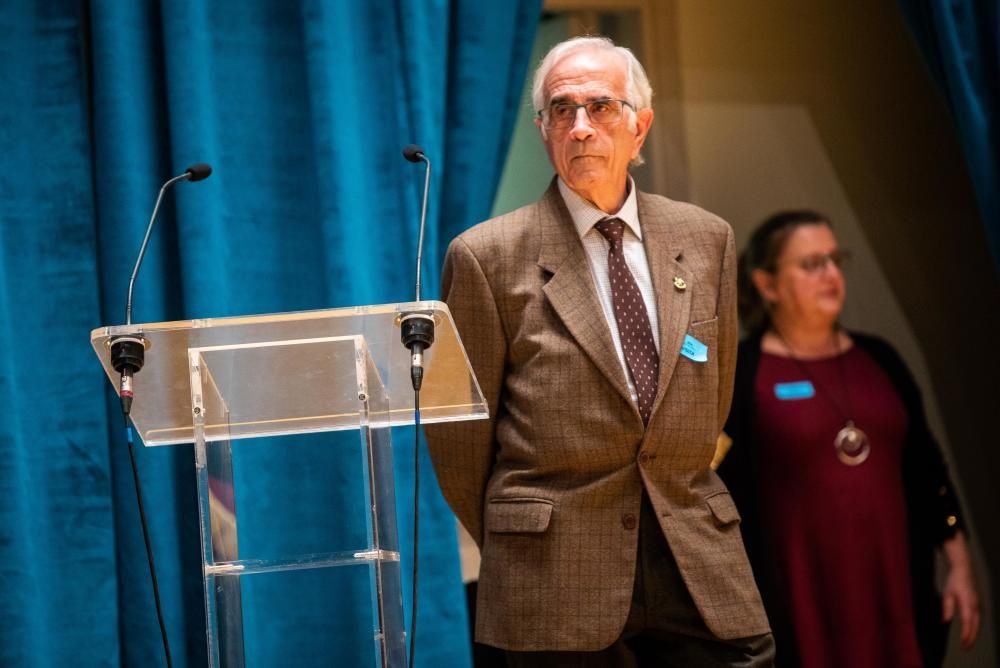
680	284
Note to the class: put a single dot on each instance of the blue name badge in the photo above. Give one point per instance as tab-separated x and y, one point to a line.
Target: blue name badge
694	350
802	389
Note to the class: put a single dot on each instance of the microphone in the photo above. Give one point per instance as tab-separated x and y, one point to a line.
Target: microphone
414	153
417	329
128	351
198	171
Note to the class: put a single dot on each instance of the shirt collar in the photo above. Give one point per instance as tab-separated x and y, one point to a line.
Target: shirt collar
585	215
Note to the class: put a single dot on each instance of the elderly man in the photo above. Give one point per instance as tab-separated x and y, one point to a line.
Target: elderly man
601	324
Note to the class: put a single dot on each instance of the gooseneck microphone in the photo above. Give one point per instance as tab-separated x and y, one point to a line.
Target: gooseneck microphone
128	351
127	357
417	329
417	334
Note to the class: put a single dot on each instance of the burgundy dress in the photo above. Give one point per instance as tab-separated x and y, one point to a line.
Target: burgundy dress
836	534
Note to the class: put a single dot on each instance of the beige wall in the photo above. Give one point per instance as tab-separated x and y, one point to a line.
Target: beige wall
827	106
770	104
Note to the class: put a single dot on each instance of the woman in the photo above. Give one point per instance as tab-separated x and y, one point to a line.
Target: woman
843	491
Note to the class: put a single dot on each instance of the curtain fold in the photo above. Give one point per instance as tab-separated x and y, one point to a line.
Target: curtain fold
302	109
960	40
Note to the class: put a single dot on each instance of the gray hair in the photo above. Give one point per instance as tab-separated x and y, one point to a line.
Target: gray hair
638	92
637	89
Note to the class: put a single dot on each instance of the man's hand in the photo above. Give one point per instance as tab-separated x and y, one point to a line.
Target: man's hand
959	594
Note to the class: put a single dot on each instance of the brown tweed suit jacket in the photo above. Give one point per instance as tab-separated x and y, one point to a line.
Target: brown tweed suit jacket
550	486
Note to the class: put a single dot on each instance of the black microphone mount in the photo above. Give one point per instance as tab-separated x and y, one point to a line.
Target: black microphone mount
128	351
417	329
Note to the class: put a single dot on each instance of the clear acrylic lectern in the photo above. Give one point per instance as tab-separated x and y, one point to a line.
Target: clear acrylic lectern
325	562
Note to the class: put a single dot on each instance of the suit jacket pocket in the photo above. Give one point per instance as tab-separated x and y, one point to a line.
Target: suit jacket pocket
518	515
723	509
705	331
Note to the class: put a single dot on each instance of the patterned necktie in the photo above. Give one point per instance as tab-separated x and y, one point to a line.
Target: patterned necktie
633	320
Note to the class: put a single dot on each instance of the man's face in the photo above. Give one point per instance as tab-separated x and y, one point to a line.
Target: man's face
592	159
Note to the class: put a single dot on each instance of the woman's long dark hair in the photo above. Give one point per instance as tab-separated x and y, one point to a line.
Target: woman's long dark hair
762	252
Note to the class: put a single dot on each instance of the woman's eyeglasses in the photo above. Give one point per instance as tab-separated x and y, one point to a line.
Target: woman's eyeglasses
814	264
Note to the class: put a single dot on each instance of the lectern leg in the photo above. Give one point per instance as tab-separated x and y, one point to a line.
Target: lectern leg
385	586
223	600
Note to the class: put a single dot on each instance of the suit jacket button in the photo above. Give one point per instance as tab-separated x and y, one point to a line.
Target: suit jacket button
628	521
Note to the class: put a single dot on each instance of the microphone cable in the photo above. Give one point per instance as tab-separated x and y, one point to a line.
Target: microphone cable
146	539
416	519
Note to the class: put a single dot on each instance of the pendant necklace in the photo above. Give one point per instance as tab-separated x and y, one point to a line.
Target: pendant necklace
851	444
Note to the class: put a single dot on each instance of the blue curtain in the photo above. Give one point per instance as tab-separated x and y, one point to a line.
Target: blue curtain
302	108
960	40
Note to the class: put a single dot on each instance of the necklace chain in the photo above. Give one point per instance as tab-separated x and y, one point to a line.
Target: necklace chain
851	444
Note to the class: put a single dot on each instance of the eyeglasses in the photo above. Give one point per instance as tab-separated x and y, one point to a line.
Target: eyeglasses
563	114
814	264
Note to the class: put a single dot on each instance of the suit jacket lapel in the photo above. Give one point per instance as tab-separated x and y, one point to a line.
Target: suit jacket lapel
665	253
571	289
